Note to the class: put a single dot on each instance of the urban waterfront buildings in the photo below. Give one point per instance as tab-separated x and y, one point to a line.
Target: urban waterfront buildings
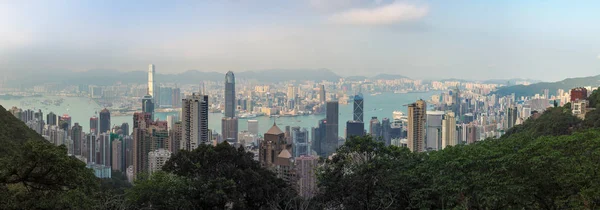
358	109
148	105
229	123
104	121
151	86
331	128
51	119
433	130
448	137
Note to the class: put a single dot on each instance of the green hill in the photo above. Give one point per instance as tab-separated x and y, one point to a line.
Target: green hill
537	88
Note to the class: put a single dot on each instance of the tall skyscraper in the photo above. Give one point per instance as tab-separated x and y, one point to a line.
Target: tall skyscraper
229	95
331	136
375	129
94	125
76	136
449	137
229	124
385	131
416	126
358	108
307	178
300	142
51	119
148	105
322	96
151	80
433	130
354	128
194	122
175	137
117	155
104	121
125	128
318	137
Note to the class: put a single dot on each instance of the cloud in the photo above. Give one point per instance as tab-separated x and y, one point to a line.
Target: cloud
383	15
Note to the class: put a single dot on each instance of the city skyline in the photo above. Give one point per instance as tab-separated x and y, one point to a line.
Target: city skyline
418	39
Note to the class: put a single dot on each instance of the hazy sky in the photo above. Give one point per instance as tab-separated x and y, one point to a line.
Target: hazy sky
547	40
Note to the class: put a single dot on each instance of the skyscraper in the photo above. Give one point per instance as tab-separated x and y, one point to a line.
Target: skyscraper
354	128
148	105
104	121
76	136
229	124
51	119
94	125
300	142
194	121
307	178
433	130
318	137
375	128
416	126
322	96
358	108
125	128
151	80
331	136
385	131
229	95
449	137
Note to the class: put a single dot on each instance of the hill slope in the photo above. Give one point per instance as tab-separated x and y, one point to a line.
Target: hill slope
566	84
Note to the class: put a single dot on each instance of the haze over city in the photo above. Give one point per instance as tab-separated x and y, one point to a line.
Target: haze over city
544	40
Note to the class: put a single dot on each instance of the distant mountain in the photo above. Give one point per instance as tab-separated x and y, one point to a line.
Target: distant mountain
566	84
388	76
108	77
510	81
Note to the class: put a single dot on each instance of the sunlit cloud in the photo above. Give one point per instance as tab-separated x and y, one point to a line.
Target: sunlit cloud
382	15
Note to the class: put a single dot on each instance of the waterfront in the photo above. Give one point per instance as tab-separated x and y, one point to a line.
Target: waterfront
81	109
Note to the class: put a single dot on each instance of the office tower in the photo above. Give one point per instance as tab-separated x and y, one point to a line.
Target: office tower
104	121
104	149
175	136
76	135
65	122
90	151
194	122
318	137
355	128
229	128
125	129
253	126
151	86
385	131
397	129
331	136
291	92
148	105
27	115
433	130
117	155
141	148
511	117
307	176
39	115
449	136
51	119
300	141
229	95
176	97
358	108
157	158
322	96
375	128
159	135
127	152
416	126
94	124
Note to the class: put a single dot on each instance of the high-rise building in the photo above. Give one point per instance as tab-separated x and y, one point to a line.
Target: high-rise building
171	119
94	125
416	126
176	97
76	136
51	119
511	117
65	122
194	122
300	142
117	155
151	80
229	95
318	137
355	128
148	105
358	108
579	93
253	126
274	153
104	121
449	137
322	96
331	136
104	149
375	128
90	149
175	136
141	147
157	158
125	129
385	131
433	130
229	129
307	176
